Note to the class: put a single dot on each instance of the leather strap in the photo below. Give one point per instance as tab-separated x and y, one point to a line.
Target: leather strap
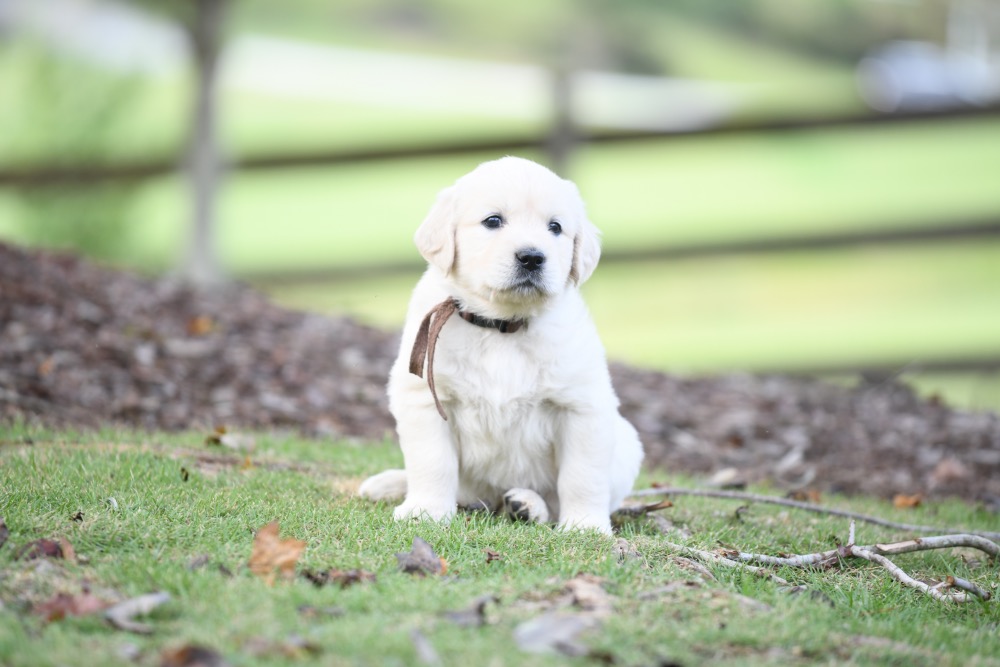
427	336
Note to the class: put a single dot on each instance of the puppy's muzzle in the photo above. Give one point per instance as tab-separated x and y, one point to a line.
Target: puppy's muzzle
530	259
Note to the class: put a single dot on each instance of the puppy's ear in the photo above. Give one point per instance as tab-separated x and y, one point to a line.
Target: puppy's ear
586	252
435	238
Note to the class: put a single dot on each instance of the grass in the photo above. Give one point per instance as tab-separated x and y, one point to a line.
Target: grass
163	522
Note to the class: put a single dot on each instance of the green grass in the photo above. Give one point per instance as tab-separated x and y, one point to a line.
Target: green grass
163	522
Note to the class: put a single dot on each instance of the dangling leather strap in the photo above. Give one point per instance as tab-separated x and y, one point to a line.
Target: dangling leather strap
430	329
426	341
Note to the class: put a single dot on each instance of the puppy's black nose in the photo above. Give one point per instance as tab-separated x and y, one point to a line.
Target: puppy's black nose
531	259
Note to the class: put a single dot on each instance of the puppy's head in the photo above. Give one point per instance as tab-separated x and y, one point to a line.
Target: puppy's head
510	235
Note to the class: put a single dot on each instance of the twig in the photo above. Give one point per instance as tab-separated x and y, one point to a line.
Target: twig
875	554
938	542
809	507
710	557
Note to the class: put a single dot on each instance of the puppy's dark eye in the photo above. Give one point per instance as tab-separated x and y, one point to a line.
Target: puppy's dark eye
492	222
555	228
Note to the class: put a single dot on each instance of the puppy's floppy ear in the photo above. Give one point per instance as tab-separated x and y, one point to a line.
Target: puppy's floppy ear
586	252
435	238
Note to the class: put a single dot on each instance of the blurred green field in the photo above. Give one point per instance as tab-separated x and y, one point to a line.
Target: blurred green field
776	312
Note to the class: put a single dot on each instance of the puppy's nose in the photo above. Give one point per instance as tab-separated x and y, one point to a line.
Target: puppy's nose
531	259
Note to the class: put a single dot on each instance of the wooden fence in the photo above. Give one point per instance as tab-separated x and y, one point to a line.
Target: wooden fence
82	175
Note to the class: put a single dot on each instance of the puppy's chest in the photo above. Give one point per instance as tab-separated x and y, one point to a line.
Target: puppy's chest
500	397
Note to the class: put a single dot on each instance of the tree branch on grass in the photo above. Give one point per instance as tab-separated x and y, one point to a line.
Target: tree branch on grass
809	507
944	591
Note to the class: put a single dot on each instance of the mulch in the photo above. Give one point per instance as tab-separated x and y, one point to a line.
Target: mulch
87	347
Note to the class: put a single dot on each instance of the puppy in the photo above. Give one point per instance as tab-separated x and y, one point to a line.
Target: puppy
516	410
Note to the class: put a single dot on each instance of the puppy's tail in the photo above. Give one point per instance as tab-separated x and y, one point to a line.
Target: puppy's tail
387	485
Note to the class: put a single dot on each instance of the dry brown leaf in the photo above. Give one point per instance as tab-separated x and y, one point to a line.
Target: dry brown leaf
272	555
122	615
903	501
62	605
421	559
200	325
191	655
805	495
475	615
44	548
342	578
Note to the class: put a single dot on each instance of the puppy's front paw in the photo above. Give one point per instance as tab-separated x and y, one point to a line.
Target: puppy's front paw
525	505
416	510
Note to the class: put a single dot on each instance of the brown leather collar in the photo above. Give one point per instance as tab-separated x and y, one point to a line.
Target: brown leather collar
427	335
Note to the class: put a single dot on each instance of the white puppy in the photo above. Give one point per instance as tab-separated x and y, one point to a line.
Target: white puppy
517	409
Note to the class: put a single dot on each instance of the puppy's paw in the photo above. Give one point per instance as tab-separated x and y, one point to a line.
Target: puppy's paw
412	509
525	505
388	485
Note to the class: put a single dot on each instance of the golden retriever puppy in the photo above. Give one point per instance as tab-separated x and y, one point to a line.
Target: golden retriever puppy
517	410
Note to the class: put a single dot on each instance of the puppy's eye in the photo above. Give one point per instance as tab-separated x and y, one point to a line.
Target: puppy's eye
492	222
555	228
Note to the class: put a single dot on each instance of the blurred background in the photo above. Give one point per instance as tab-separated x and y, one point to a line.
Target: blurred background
807	186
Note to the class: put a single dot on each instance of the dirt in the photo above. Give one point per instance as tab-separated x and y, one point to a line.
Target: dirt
83	346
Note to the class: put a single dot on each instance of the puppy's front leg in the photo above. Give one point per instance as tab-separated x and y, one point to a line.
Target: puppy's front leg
431	464
584	469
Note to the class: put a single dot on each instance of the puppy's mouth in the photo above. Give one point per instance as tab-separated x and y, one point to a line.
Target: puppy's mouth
527	284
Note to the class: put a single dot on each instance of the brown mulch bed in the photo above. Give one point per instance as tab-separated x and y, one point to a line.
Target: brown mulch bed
87	347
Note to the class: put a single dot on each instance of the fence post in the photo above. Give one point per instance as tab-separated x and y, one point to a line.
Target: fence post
562	135
204	166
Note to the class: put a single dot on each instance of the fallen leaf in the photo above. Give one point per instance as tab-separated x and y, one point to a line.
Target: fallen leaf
804	495
192	656
122	615
309	611
46	549
589	595
272	555
903	501
62	605
475	615
554	632
235	441
293	647
4	532
949	471
421	559
624	552
200	325
342	578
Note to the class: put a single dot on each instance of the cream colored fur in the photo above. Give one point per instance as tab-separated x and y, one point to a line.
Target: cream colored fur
532	410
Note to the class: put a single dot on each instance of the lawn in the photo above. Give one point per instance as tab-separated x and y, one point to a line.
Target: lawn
184	515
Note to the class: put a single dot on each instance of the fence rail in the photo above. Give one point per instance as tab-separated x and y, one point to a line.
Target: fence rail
83	175
54	175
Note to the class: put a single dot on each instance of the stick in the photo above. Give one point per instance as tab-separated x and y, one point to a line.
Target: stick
709	557
875	554
809	507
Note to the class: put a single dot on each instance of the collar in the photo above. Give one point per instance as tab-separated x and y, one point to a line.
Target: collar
503	326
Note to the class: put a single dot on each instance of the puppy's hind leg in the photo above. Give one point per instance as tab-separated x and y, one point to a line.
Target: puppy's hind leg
525	505
388	485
